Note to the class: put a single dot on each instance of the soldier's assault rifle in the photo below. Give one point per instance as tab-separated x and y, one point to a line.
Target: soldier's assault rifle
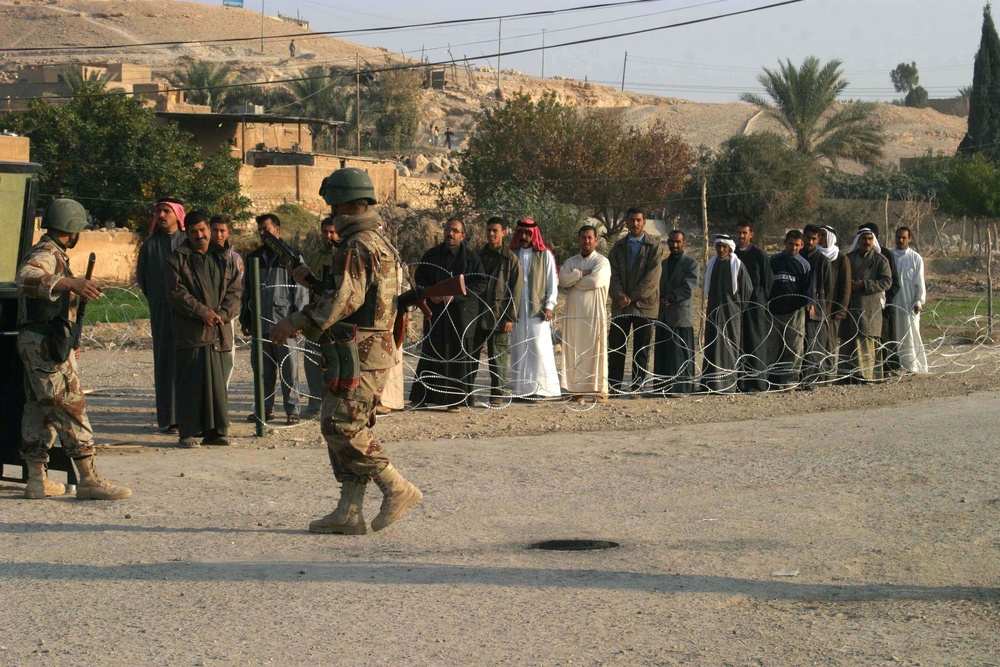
418	297
65	335
287	255
414	297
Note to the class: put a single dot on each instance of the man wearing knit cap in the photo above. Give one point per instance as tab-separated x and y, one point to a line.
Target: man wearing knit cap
151	274
727	291
532	359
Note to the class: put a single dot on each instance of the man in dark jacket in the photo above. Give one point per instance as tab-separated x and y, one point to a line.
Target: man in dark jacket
446	368
280	297
888	350
204	289
791	294
673	359
820	357
151	274
756	317
499	307
635	298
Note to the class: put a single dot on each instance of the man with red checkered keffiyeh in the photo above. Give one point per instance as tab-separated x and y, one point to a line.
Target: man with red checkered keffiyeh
151	274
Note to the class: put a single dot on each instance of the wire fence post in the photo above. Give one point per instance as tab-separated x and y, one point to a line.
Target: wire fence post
257	348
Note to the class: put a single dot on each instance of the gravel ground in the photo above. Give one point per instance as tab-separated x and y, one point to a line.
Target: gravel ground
843	526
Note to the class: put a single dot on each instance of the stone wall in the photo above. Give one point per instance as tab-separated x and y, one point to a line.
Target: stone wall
15	149
274	185
116	255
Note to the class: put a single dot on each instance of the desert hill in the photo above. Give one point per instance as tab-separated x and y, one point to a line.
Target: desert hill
56	25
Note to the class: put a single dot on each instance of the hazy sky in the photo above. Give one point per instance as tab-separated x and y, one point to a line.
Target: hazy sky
711	62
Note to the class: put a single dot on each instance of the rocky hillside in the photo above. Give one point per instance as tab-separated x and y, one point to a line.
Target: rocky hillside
47	23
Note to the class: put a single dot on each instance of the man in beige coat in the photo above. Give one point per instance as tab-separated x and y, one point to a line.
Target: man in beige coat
635	299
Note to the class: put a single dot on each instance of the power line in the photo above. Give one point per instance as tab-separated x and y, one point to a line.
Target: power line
452	61
358	31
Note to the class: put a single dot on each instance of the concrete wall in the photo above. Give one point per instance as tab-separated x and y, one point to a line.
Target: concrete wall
116	255
15	149
274	185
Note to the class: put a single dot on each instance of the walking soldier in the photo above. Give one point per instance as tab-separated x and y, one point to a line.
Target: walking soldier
353	323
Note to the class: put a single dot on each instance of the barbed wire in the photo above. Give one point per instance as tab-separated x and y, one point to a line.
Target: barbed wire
956	337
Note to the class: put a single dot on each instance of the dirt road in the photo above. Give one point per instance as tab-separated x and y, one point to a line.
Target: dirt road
888	516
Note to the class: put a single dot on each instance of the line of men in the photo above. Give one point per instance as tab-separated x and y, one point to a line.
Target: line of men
805	316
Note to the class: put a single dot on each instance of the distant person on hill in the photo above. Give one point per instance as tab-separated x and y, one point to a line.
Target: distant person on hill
448	134
291	49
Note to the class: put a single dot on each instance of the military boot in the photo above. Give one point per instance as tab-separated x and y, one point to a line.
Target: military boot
398	496
39	484
347	519
92	486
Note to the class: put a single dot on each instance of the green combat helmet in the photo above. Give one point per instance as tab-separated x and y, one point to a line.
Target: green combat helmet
65	215
346	185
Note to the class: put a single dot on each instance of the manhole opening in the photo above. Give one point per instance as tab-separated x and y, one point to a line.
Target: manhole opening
574	545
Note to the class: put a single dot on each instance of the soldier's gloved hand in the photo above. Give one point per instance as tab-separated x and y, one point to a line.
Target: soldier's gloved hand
300	274
282	331
88	289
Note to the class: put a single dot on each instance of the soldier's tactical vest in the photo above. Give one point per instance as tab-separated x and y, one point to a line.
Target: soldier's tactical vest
379	308
45	310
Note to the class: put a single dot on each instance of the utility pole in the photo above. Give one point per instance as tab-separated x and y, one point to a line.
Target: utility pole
499	49
357	100
543	53
624	65
261	27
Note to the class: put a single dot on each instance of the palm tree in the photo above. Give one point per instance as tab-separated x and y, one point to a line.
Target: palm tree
205	82
318	95
804	101
94	83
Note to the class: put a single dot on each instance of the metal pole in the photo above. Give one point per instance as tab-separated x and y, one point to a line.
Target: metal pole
499	49
989	285
261	27
257	347
543	53
357	94
624	65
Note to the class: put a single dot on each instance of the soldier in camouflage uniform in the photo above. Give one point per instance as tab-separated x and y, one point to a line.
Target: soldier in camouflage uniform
359	298
54	406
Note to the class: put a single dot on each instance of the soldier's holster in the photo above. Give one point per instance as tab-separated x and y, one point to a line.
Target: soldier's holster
341	362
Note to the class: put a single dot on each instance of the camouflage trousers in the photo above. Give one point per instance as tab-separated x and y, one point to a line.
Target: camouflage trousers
347	420
54	405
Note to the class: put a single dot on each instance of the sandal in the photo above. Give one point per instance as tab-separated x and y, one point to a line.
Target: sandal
188	443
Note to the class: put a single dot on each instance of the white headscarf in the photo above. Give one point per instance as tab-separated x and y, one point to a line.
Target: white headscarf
877	248
734	263
832	252
865	230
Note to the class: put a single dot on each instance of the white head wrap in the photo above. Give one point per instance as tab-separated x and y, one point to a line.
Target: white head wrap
831	252
734	263
865	230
